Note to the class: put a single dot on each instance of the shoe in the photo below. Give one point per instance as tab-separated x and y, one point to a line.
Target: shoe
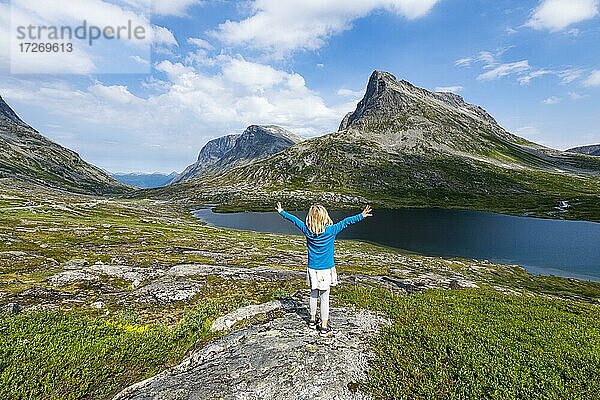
313	324
326	332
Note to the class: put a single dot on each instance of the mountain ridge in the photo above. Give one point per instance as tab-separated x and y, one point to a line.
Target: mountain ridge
405	146
30	156
226	152
8	115
590	150
378	86
144	180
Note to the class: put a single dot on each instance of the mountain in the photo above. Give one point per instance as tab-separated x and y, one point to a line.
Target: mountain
591	150
224	153
210	154
145	181
28	155
404	146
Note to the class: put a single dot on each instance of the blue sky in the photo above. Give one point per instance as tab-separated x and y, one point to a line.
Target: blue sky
218	66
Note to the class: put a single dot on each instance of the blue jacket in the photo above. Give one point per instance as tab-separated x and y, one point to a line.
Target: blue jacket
320	247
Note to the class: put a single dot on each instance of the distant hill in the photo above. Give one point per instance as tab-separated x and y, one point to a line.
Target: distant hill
145	181
224	153
404	146
591	150
27	155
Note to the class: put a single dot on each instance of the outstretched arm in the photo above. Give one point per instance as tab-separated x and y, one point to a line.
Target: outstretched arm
337	228
292	218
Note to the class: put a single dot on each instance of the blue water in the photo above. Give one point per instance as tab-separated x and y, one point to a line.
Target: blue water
542	246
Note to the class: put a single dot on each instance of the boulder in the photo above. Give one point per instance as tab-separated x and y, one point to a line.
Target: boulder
238	273
226	322
71	276
12	308
76	263
164	291
280	359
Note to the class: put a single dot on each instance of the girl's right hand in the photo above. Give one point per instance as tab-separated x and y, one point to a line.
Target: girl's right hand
279	208
367	211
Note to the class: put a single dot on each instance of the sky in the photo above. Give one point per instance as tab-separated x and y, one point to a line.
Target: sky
211	68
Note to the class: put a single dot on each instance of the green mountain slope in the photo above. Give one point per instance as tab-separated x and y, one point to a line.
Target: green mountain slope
405	146
26	154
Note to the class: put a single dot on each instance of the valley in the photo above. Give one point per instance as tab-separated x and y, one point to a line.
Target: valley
107	291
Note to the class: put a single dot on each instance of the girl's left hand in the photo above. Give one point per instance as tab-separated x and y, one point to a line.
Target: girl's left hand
279	208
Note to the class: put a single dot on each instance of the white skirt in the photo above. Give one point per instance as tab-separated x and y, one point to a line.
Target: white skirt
321	279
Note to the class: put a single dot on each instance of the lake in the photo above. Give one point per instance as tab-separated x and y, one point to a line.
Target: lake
542	246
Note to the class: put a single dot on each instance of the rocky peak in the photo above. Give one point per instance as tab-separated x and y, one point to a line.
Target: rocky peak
259	141
271	130
379	81
7	115
387	97
215	149
255	143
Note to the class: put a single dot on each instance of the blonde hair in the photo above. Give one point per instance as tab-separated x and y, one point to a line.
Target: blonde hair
318	219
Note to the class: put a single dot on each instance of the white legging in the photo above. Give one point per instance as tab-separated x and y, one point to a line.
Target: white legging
324	296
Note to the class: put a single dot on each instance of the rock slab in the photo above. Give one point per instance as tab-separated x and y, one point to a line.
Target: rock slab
280	359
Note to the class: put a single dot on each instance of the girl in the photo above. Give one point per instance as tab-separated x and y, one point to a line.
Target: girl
320	234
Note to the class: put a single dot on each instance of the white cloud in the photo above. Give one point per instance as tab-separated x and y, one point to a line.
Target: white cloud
4	36
487	57
525	79
463	62
556	15
451	89
281	27
140	60
593	79
173	7
189	106
115	94
163	7
200	43
494	68
256	77
577	96
163	36
350	93
527	131
570	75
498	71
181	109
552	100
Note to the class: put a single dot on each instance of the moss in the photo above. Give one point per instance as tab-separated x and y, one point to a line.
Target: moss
481	344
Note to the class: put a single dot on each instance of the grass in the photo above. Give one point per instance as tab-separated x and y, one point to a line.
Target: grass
69	355
76	354
480	344
455	344
518	279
